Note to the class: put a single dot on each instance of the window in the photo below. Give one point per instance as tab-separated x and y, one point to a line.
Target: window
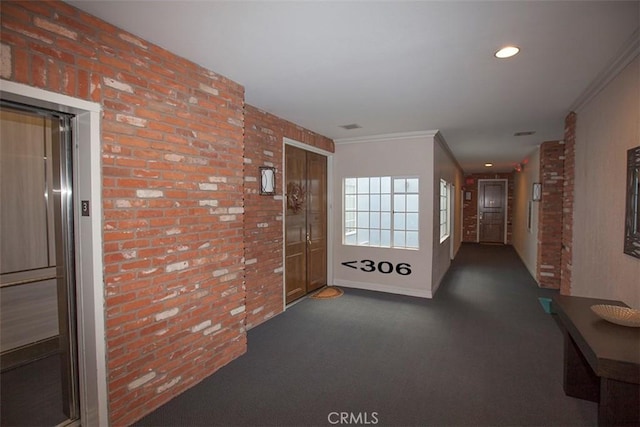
444	210
381	212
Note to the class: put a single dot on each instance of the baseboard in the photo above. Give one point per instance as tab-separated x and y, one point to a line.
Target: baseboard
28	353
384	288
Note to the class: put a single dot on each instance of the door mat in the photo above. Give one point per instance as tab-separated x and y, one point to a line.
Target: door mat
328	292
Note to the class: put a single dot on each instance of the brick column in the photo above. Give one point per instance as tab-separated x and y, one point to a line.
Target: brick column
567	202
550	214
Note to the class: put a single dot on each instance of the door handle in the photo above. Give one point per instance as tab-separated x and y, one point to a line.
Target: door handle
308	239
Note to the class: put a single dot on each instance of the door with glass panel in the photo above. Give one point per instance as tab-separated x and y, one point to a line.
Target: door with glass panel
38	367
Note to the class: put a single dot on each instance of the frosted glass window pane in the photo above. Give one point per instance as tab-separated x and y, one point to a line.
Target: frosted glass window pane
351	239
412	185
363	236
349	203
399	203
412	221
385	238
385	220
374	202
412	239
399	221
363	219
385	202
375	220
349	219
374	237
375	185
363	202
412	203
363	185
349	186
399	185
385	184
398	238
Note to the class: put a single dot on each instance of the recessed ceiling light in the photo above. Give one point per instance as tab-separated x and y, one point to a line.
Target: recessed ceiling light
507	52
488	165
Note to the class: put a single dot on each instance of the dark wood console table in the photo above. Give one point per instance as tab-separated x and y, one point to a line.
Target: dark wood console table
601	360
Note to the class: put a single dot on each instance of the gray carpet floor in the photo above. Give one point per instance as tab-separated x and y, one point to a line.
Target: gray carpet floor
481	353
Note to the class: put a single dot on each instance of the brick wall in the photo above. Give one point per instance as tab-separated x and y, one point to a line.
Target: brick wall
470	207
172	168
567	204
263	216
550	213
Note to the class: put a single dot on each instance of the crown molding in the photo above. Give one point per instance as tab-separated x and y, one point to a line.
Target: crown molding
386	137
627	53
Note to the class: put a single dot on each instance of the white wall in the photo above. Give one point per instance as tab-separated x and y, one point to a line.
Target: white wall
606	128
525	241
390	155
444	167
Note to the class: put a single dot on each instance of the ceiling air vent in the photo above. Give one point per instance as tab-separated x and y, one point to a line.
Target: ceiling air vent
351	126
525	133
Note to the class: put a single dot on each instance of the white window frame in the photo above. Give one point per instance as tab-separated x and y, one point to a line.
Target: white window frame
445	214
351	230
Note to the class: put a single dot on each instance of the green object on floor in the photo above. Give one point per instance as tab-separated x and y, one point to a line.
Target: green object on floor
546	305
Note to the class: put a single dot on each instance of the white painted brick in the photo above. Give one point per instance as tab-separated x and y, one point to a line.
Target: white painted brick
205	186
262	224
212	203
141	381
118	85
132	120
217	179
167	314
173	231
177	266
278	270
235	122
169	384
278	197
55	28
268	164
208	89
220	272
123	204
204	245
201	326
546	266
236	210
5	61
213	329
251	261
257	310
237	310
268	153
149	194
129	254
226	218
129	38
174	157
547	274
248	161
251	179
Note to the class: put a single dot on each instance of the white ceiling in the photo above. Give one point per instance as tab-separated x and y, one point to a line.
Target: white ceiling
398	66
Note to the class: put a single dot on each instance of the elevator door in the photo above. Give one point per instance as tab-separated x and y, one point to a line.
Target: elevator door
38	357
305	222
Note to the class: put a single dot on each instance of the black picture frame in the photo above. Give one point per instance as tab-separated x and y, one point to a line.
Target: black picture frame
536	192
632	209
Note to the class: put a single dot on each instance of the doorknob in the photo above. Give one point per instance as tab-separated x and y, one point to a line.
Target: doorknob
308	239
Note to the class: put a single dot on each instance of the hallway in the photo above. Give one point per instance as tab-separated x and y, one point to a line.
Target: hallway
483	352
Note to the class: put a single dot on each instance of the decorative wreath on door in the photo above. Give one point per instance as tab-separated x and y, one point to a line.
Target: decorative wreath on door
296	196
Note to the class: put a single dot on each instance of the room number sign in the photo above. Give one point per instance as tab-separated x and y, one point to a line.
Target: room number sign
384	267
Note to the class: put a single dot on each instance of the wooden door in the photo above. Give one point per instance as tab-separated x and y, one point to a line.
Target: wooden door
491	211
305	222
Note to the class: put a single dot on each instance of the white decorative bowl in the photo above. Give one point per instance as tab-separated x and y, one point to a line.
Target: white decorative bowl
624	316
